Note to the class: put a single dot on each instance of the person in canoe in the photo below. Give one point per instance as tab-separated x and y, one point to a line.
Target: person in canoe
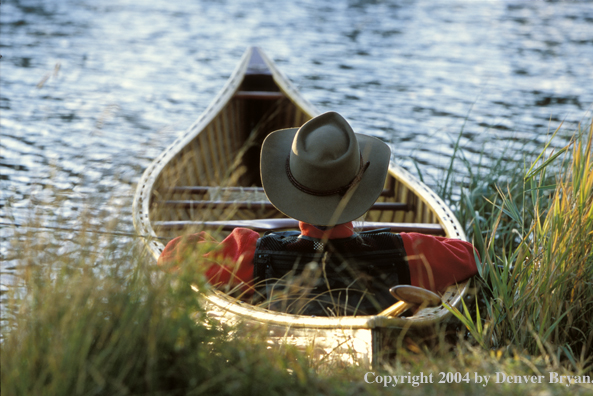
326	176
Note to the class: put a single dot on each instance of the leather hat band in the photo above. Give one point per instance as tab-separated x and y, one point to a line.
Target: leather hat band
340	190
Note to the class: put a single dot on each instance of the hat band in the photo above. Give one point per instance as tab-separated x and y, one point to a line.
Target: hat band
340	190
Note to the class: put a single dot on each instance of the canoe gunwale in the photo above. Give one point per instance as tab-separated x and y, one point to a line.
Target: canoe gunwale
227	304
143	196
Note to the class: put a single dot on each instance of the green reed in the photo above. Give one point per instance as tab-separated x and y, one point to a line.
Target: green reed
533	227
87	316
96	320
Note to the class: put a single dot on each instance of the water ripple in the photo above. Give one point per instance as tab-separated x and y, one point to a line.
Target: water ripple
92	91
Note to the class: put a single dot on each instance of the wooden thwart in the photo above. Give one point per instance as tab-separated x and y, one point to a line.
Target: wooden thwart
262	95
188	204
208	189
262	225
200	190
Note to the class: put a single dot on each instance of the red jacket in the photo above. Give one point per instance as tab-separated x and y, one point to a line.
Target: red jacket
434	262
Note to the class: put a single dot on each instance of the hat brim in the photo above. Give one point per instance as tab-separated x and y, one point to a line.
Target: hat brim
321	210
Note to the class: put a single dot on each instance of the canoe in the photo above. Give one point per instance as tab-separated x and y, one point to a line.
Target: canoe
209	179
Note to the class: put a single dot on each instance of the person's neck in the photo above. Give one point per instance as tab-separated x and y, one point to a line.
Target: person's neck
339	231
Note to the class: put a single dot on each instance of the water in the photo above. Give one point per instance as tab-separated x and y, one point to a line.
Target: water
92	91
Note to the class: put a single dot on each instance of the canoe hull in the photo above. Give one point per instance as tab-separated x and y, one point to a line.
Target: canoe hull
220	153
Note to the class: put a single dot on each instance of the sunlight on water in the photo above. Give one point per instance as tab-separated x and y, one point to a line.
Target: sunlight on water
91	92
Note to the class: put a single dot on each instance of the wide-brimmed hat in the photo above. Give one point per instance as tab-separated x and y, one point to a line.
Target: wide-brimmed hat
323	173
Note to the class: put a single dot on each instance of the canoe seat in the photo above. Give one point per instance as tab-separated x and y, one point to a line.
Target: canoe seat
262	225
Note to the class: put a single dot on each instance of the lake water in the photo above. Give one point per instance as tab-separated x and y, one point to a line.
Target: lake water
92	91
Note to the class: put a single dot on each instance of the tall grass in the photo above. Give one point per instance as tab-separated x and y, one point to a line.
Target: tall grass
85	316
90	323
86	322
534	233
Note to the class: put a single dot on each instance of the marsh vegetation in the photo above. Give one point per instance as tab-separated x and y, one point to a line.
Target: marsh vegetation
90	317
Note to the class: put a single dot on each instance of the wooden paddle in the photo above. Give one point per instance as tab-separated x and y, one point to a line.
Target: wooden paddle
262	225
410	296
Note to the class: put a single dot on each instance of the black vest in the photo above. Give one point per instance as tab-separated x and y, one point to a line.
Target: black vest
349	276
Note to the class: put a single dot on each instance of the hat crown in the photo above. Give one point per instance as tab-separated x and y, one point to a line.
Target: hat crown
325	153
323	173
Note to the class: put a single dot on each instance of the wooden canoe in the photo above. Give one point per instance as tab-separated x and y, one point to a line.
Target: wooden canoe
209	178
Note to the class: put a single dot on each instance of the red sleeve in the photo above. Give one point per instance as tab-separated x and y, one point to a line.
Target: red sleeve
229	262
438	262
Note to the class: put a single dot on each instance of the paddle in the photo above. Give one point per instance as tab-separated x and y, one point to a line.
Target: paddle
410	296
262	225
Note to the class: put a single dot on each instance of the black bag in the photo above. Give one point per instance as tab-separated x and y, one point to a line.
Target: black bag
349	276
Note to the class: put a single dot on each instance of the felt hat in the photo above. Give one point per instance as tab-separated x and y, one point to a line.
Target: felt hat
323	173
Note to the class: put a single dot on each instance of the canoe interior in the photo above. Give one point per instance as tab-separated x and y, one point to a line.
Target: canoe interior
225	150
225	153
225	156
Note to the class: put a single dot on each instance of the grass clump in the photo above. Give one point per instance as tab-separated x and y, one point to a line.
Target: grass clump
85	316
96	321
534	230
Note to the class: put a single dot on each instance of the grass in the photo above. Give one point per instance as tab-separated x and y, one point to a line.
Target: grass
535	237
94	325
87	317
